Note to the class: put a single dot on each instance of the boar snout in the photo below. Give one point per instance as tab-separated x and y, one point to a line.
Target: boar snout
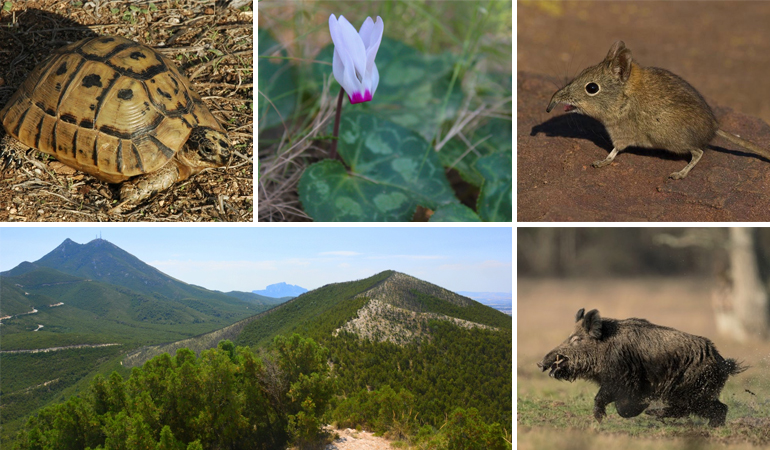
555	362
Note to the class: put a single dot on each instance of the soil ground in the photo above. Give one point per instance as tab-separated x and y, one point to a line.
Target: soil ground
350	439
721	48
554	414
212	44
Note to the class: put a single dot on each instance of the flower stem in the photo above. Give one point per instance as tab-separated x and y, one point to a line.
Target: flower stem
333	153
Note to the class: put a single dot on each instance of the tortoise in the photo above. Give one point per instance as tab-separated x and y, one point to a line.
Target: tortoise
117	110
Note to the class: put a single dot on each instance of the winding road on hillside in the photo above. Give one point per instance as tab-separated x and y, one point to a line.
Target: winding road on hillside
55	349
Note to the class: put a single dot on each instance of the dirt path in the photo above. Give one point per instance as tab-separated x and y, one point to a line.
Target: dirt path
56	349
351	439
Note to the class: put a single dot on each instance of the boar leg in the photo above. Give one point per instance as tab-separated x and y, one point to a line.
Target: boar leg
715	411
629	405
603	398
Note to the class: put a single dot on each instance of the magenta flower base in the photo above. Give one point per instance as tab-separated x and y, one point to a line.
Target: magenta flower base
358	98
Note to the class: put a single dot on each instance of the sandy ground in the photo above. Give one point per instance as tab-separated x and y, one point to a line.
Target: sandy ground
351	439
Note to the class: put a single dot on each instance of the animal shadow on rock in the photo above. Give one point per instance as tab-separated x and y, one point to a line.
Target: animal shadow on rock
584	127
578	126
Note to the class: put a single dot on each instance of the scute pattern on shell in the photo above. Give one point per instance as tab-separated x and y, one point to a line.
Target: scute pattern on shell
107	106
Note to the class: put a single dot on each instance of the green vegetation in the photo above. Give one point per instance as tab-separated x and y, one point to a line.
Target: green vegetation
474	312
274	392
33	380
457	367
109	297
232	398
312	313
227	398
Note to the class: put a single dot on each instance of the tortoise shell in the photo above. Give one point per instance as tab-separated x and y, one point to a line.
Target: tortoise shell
107	106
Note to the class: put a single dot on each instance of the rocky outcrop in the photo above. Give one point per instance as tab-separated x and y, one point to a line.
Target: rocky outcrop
380	322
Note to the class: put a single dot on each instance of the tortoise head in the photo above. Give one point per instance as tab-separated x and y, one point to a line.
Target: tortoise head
208	147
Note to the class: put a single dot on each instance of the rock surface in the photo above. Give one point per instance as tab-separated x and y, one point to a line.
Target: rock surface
556	182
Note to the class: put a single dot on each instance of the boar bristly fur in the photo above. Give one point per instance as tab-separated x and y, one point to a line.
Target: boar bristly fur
634	362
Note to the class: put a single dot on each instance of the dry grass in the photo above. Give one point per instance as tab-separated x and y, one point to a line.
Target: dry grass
214	47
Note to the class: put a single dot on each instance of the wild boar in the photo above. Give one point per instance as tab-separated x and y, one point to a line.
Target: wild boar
634	362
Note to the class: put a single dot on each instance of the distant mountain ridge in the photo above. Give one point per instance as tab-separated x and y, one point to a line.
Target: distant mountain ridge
388	306
112	292
279	290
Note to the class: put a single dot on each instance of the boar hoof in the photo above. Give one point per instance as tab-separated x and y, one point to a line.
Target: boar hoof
599	414
659	413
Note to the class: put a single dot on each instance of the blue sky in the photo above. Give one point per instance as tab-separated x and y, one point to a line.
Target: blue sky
250	258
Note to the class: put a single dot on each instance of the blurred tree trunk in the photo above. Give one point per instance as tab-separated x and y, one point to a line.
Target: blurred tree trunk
548	251
741	302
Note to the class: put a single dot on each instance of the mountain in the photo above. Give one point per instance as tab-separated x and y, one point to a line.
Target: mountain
91	304
109	294
389	334
103	261
257	299
386	307
280	290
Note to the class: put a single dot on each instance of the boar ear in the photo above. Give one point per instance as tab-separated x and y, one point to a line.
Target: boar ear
579	314
592	323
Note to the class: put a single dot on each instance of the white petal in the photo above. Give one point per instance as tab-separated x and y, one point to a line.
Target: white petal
374	44
353	45
343	67
366	31
338	69
350	81
375	78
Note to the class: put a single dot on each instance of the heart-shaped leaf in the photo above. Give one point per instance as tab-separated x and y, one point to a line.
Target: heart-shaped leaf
495	202
454	212
492	137
392	170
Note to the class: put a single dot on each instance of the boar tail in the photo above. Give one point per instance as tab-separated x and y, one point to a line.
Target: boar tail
734	367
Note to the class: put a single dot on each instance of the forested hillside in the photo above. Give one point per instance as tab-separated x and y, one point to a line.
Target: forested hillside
435	372
79	297
232	398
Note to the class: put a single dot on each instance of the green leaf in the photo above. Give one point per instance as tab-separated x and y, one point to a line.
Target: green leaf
412	87
276	83
492	137
392	170
495	202
454	212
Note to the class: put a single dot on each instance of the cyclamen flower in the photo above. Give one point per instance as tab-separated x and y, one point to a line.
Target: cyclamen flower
353	65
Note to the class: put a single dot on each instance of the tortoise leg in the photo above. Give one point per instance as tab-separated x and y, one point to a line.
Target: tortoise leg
11	153
139	188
